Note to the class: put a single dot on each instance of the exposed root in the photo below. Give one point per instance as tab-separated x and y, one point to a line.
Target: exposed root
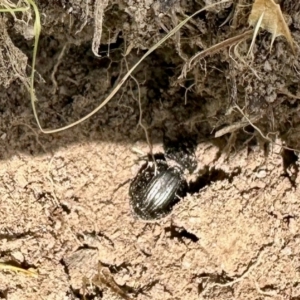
266	137
59	59
237	54
141	120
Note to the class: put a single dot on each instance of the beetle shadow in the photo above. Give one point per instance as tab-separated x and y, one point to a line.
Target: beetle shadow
210	175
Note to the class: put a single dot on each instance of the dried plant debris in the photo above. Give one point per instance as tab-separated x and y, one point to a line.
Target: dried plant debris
268	15
99	8
105	278
12	60
219	7
81	264
84	268
30	272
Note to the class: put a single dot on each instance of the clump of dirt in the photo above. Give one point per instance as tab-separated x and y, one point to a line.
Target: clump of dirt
64	197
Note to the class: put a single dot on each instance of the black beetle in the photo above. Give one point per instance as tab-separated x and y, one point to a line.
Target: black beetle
161	183
156	189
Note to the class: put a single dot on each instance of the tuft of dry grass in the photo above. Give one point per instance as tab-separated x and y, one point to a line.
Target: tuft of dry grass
268	15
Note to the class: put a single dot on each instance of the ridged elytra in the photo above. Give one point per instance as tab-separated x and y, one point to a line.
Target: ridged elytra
161	184
154	191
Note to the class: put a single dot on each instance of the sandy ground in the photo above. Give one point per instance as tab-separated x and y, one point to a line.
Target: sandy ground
235	238
64	203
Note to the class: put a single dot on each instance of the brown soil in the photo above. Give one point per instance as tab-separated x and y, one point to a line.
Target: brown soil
64	208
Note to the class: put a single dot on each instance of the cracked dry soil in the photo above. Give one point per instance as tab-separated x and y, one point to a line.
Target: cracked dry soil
64	206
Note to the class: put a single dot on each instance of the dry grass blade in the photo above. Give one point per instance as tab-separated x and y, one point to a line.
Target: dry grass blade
99	7
268	15
4	266
212	50
255	33
266	137
236	126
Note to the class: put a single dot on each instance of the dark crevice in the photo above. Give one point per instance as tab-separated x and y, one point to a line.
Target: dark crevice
272	214
268	288
97	236
249	191
15	236
287	219
289	158
85	246
290	166
221	278
114	269
65	268
97	294
20	235
4	294
146	253
42	196
181	234
65	208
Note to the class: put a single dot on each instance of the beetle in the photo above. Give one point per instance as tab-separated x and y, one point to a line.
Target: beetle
161	182
156	189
